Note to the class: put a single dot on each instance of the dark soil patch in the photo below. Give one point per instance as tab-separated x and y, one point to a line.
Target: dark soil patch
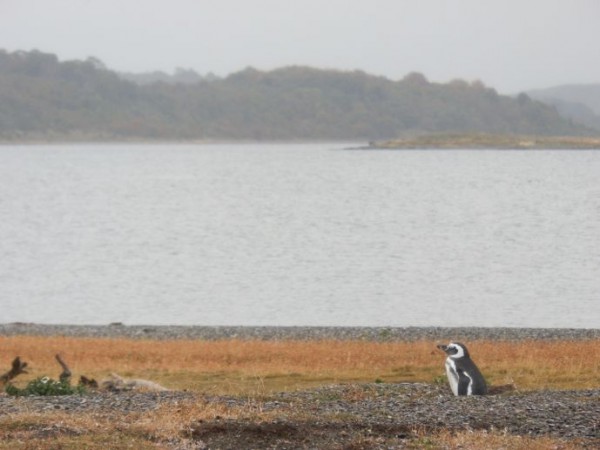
285	434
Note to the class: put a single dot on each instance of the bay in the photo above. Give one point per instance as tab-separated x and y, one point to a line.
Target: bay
299	234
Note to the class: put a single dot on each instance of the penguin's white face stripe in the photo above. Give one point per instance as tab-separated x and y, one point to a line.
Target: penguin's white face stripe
459	351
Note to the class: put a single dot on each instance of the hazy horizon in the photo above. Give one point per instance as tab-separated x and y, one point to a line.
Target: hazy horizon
508	45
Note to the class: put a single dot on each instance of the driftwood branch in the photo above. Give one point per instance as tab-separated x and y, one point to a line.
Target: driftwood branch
18	367
65	375
114	383
88	382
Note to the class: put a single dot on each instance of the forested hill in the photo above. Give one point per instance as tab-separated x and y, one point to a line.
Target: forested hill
44	98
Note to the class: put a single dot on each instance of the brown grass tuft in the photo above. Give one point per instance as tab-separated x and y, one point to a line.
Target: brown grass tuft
484	440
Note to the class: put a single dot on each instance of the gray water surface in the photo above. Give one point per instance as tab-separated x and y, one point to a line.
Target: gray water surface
313	234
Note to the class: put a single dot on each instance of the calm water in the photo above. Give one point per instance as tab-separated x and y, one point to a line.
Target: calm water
299	235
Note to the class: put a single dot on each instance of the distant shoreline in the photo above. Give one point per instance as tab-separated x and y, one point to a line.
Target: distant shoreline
468	141
174	142
458	141
377	334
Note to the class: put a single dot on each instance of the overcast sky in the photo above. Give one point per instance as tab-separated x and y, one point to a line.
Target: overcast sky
511	45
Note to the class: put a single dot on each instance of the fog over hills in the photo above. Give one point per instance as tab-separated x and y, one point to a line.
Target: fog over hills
44	98
579	102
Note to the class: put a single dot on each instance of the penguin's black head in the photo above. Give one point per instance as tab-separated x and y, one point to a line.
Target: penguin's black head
454	350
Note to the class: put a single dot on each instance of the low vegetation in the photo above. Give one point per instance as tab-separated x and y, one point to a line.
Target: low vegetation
256	369
45	386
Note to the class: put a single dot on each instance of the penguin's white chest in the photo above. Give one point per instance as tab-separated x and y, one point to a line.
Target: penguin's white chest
452	375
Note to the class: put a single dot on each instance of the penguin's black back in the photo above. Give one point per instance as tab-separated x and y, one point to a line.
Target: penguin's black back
467	371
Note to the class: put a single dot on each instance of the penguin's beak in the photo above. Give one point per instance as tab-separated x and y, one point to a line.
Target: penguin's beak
443	347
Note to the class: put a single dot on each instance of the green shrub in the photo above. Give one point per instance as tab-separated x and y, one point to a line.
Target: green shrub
45	386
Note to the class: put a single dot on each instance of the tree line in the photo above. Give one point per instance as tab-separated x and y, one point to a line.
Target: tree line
42	97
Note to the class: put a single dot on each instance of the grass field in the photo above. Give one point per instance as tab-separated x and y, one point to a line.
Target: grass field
250	367
254	369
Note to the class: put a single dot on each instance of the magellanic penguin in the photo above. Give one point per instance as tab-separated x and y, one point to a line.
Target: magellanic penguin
463	375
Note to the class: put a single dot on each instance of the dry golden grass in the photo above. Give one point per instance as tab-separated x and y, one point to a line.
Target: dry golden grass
134	430
255	367
483	440
59	430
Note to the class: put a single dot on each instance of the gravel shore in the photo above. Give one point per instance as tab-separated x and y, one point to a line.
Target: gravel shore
166	332
380	416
